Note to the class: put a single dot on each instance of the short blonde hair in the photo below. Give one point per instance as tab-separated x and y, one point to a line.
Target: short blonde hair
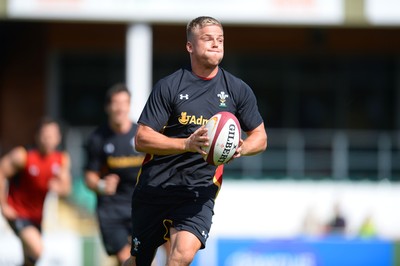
200	22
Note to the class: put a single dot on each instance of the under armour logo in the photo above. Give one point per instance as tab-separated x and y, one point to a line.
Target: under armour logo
204	234
136	244
186	96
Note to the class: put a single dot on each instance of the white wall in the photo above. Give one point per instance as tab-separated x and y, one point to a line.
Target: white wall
62	248
228	11
277	209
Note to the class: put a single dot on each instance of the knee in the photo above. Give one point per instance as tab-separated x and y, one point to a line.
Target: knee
31	242
34	252
130	262
124	254
182	256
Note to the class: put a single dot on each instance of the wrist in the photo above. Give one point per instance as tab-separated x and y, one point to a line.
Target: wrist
186	145
101	187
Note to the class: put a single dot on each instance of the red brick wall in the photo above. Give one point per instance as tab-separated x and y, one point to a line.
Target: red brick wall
22	84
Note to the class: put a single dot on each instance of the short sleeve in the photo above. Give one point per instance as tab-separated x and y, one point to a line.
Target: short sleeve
248	113
157	110
93	148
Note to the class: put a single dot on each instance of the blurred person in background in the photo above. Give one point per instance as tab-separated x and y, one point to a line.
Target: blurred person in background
111	170
176	189
31	173
368	228
312	225
337	224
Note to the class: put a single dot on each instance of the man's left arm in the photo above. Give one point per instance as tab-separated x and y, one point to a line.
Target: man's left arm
61	183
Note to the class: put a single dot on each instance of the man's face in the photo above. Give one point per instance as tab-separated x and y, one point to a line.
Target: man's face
206	46
118	108
49	137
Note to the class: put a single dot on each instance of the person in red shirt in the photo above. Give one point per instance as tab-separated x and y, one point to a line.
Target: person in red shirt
31	173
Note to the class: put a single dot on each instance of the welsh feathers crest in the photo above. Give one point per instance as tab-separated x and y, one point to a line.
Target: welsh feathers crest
222	98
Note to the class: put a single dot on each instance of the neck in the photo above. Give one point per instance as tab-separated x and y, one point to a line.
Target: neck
44	152
205	73
121	127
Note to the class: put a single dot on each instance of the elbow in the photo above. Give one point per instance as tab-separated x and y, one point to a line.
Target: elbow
143	143
262	143
141	138
140	143
264	147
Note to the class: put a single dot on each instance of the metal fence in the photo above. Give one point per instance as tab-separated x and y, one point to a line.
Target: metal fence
301	154
324	154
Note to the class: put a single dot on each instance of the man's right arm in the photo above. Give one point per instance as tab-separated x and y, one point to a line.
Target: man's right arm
10	164
92	179
106	186
148	140
102	185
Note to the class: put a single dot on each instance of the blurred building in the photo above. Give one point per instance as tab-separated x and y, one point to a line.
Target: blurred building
326	74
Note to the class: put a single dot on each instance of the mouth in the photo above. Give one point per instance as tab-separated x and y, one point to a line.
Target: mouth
215	52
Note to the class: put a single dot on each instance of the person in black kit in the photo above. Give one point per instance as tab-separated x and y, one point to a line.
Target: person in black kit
175	191
111	170
337	224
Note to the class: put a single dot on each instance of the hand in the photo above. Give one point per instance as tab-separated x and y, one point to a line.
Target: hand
238	152
59	186
197	140
8	212
111	184
54	185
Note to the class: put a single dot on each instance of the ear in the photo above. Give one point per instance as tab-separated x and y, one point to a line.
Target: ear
189	47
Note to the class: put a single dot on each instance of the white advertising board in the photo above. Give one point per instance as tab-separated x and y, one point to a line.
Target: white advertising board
61	248
279	209
383	12
179	11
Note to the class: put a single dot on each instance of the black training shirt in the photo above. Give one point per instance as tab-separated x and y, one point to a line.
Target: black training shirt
110	152
178	105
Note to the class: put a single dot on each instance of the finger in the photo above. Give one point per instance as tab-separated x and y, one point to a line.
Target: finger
202	142
201	131
240	142
112	177
238	153
203	138
202	152
199	142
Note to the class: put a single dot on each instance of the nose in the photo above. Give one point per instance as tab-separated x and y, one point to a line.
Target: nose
215	42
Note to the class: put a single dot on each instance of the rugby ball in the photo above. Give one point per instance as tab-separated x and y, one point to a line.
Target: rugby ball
224	135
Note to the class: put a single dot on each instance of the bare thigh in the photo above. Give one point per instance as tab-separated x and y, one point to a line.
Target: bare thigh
32	241
184	246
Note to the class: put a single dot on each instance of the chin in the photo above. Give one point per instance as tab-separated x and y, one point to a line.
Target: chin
216	62
213	63
119	119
